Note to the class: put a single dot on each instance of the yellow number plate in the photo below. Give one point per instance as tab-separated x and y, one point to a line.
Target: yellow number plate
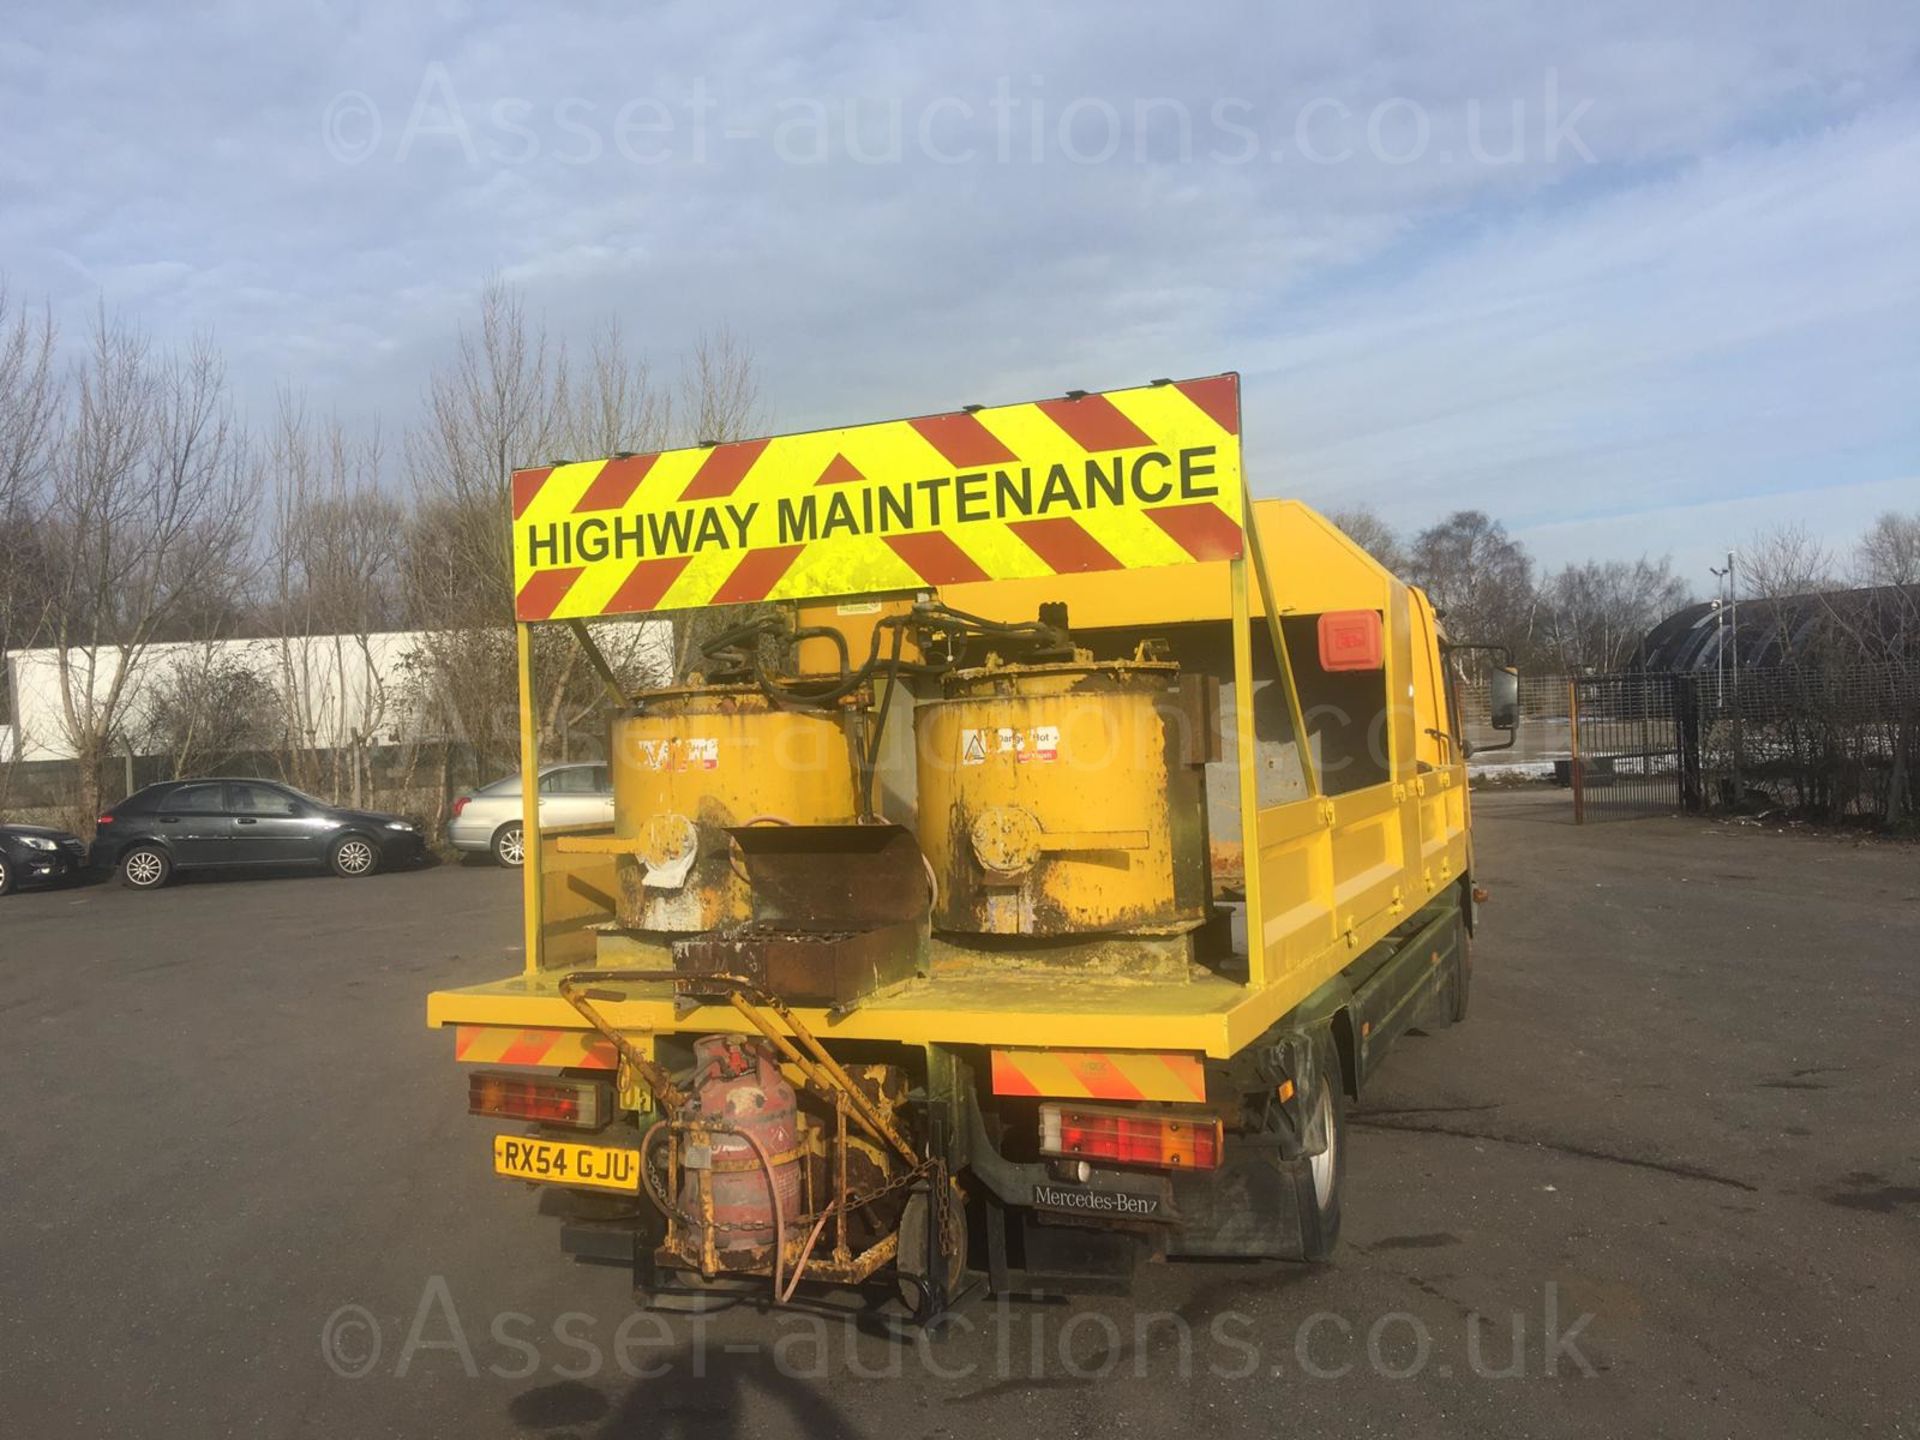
553	1162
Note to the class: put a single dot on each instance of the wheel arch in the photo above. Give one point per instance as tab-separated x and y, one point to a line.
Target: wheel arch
1346	1048
1331	1006
119	849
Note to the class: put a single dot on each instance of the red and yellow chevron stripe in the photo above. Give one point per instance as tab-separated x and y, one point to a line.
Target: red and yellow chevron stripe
1125	479
1100	1075
515	1045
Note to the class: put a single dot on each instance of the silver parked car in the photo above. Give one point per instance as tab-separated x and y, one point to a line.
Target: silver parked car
490	818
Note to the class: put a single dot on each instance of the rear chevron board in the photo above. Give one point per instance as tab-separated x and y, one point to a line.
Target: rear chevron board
1120	480
1115	1076
517	1045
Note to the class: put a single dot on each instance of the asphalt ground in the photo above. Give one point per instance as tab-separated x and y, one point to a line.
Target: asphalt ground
1664	1181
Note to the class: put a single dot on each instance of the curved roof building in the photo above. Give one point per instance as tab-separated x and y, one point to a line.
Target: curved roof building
1793	629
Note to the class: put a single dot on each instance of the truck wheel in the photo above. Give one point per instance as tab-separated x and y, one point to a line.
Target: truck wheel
1319	1179
509	846
1462	977
145	867
354	856
911	1261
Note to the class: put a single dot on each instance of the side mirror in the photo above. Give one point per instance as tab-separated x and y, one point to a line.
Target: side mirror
1503	697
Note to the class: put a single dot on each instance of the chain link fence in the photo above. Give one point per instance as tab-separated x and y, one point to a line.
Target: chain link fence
1833	744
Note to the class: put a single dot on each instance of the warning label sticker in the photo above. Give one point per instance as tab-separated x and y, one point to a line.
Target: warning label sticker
691	752
1042	743
1034	743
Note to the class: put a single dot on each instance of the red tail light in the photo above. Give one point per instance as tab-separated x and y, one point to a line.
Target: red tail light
1131	1137
577	1104
104	820
460	805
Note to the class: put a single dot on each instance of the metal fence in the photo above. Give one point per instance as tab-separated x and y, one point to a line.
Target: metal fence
1830	744
1543	742
1631	745
1834	744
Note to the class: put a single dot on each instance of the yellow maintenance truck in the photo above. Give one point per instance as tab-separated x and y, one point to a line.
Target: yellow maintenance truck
1024	883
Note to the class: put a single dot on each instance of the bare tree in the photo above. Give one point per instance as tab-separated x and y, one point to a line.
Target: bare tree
499	405
508	399
1889	553
1594	615
615	408
28	411
1362	524
28	401
1786	560
150	513
337	583
720	390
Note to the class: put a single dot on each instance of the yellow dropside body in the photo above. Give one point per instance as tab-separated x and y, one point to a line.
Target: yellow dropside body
1328	871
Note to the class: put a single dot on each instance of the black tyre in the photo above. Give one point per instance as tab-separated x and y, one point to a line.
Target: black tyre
145	867
6	877
912	1262
509	845
1462	977
1319	1179
354	856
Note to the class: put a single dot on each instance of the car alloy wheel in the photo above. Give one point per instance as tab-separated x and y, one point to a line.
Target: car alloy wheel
6	878
511	847
145	869
354	857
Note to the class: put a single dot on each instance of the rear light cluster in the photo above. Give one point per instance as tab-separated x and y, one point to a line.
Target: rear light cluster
460	805
576	1104
1131	1137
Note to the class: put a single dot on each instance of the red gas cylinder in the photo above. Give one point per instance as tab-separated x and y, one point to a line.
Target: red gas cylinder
738	1081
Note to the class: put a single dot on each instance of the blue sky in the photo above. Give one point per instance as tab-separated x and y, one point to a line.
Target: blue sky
1635	278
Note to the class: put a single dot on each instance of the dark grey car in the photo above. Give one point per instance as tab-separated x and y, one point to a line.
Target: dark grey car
222	824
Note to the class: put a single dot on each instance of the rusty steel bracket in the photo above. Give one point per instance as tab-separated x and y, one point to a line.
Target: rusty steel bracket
584	638
670	1095
821	1070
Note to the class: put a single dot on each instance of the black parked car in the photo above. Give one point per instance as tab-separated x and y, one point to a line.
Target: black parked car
217	824
35	855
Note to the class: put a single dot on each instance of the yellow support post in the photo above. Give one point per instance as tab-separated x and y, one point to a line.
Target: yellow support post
1247	756
1281	655
529	800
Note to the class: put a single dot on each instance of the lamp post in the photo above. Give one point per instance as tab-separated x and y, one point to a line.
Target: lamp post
1730	616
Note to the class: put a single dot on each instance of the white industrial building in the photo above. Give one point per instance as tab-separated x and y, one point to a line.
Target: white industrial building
343	690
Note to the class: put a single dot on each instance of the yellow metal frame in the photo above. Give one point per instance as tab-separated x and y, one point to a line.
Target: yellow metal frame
1326	876
531	871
